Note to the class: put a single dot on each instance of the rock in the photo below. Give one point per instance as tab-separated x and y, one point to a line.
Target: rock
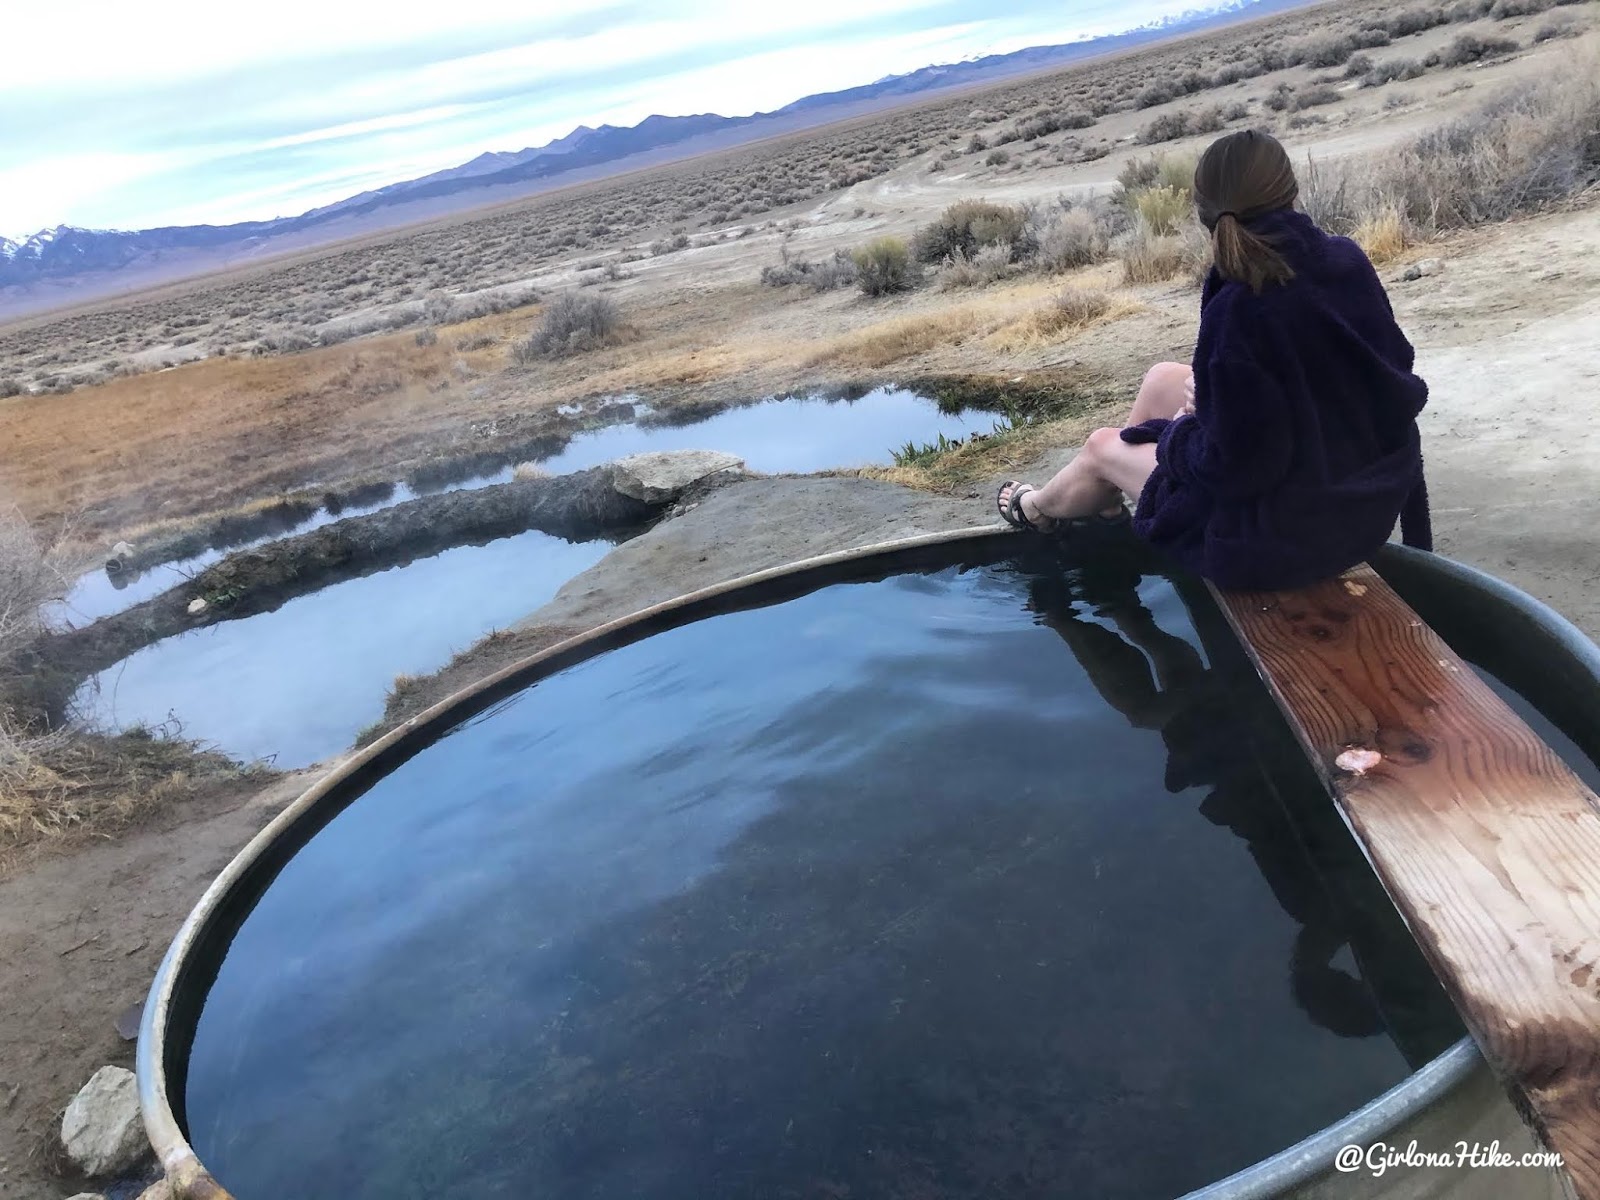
1428	266
128	1021
160	1190
197	606
117	560
89	1196
658	476
102	1130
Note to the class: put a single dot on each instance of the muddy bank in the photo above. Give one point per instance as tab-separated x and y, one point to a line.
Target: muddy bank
580	506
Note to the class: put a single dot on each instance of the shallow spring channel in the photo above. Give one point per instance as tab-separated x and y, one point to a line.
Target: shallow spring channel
991	880
794	434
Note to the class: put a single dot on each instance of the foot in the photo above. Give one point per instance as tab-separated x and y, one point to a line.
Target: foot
1019	505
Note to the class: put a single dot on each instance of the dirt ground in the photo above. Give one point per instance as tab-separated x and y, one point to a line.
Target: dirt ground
1505	325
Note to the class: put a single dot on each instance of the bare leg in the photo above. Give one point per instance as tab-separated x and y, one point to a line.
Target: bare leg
1107	468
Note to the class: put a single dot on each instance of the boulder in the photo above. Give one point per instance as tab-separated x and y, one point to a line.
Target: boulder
660	475
117	560
102	1130
197	606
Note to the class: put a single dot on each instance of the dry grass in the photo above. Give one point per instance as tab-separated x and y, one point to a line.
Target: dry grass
902	337
1382	234
1524	151
226	430
53	785
1068	313
1151	257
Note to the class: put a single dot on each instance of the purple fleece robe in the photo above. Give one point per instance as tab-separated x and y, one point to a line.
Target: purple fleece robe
1303	449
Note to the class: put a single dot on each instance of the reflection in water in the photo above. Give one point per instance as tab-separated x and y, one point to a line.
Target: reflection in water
874	892
298	683
1161	682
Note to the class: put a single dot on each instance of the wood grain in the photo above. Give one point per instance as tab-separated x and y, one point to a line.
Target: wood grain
1487	843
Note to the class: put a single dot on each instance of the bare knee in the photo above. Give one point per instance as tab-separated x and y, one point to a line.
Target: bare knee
1164	377
1162	393
1099	444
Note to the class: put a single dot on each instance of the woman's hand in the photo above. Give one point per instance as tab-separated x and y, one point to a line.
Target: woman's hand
1188	392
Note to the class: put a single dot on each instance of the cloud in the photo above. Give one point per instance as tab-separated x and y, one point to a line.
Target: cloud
164	113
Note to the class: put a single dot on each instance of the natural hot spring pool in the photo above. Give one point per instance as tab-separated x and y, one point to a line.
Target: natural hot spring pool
298	683
1001	878
776	435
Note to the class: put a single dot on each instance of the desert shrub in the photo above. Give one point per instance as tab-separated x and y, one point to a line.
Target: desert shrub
1237	111
989	265
1394	68
1157	93
1065	239
1503	9
996	158
1358	66
572	324
1370	37
1414	20
1139	173
821	276
883	266
674	242
1467	10
1151	257
427	336
287	341
976	144
1229	73
436	307
1279	98
1177	171
1324	50
1314	96
1163	209
1472	47
476	341
9	387
31	575
1207	120
1562	25
1168	127
1526	150
968	225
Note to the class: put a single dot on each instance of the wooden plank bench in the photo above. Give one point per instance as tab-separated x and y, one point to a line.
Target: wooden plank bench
1487	843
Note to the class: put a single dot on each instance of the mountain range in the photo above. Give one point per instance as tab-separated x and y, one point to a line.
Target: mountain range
54	261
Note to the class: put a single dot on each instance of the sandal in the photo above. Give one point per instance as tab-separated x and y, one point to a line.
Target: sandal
1012	510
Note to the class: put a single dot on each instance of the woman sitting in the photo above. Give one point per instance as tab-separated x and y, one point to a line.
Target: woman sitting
1286	453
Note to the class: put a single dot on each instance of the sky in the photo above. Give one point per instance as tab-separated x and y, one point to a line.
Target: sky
129	114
